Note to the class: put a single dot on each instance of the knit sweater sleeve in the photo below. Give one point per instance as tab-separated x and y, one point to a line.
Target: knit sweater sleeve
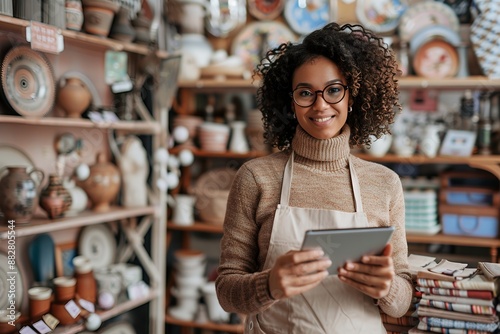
241	287
398	301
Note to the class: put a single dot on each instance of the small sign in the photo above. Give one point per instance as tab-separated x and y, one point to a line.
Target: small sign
42	327
44	37
87	305
72	309
27	330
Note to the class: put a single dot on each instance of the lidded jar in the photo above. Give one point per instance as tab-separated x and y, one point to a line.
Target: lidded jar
18	193
103	184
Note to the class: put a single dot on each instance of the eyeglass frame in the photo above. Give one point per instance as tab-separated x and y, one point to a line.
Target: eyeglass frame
346	87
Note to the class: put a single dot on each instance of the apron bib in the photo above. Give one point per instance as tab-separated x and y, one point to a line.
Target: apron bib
332	306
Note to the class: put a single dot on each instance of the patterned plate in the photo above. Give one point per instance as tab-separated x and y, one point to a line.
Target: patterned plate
265	9
424	14
380	15
258	37
304	16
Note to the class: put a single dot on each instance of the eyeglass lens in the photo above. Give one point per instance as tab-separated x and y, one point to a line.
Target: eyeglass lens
305	97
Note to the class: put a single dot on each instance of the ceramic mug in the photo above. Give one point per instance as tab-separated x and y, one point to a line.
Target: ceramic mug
65	288
39	301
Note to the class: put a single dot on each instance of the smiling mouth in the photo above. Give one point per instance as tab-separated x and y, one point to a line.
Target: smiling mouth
321	120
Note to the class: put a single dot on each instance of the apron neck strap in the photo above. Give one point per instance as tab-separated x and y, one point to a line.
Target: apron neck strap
287	184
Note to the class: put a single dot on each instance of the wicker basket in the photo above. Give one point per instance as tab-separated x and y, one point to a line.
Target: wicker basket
212	191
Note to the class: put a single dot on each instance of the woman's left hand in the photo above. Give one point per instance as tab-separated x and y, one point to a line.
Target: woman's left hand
373	275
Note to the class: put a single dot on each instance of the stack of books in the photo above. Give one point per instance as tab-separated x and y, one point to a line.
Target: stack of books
458	300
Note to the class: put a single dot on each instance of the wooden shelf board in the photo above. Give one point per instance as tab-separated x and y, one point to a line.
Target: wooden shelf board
472	82
45	225
420	159
75	37
199	153
196	227
208	325
129	126
108	314
456	240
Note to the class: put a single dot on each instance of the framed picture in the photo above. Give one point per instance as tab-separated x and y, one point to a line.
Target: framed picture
458	143
64	254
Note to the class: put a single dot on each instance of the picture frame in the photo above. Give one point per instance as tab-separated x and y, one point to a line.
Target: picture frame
64	254
459	143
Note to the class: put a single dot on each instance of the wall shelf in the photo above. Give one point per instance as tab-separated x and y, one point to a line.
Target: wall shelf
208	325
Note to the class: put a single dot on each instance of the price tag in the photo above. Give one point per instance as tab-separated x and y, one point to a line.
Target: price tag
27	330
87	305
72	309
44	37
50	320
42	327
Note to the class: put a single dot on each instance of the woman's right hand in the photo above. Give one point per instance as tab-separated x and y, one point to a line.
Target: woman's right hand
296	272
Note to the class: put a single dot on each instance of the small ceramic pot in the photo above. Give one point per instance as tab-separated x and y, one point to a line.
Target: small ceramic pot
39	301
98	16
86	286
74	15
55	199
73	97
65	288
109	286
58	310
122	29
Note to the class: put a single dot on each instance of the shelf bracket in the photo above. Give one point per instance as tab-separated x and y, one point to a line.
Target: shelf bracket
489	167
141	231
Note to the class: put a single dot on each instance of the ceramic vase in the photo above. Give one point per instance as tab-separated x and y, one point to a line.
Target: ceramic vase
74	15
73	97
379	147
79	198
18	193
429	145
86	285
103	184
39	301
238	142
122	29
55	199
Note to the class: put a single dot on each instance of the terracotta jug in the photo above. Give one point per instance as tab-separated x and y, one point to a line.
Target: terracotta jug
103	184
73	97
18	193
55	199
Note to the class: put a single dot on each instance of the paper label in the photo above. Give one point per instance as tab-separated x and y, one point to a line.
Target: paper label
27	330
44	37
42	327
87	305
72	309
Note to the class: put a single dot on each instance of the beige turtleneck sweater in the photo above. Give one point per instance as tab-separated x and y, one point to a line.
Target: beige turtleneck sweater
320	180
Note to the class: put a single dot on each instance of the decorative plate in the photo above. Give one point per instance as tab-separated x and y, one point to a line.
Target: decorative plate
265	9
223	16
432	32
436	59
6	271
424	14
304	16
120	327
98	244
380	15
28	82
257	38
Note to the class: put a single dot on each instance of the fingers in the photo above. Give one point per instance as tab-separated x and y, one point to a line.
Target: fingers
296	272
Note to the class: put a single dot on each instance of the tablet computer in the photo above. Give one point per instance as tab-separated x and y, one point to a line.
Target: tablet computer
348	245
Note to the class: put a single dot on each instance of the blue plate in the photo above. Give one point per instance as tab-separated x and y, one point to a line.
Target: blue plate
304	16
381	16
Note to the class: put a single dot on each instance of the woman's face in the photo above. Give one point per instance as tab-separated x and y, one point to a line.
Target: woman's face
321	120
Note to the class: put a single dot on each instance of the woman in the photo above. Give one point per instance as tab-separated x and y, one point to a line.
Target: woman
318	99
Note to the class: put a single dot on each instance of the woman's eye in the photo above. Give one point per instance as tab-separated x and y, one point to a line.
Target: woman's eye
333	90
306	93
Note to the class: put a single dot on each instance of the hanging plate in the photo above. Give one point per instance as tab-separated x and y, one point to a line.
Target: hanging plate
381	16
224	16
28	82
304	16
265	9
98	244
424	14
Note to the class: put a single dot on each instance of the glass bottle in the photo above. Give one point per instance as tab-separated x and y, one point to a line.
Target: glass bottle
484	126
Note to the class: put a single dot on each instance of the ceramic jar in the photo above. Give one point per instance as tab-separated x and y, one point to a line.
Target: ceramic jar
429	145
379	147
73	97
18	193
109	286
58	310
183	209
103	184
65	288
74	15
55	199
86	286
39	301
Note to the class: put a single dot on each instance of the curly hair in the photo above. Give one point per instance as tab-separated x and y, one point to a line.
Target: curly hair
367	63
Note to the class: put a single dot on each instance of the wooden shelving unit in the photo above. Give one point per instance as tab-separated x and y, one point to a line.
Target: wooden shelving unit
228	328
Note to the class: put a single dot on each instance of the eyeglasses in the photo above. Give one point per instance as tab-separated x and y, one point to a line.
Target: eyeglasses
306	97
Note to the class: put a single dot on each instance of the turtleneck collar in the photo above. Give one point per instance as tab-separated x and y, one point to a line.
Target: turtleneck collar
325	154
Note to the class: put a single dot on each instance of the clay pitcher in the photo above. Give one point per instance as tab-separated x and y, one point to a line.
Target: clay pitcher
103	184
73	97
18	193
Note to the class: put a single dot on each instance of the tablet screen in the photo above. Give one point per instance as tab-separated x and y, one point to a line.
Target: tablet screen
343	245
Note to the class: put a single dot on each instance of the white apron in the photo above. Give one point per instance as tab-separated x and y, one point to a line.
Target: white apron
331	307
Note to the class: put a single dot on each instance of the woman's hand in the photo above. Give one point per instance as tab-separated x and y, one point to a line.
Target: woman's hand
296	272
373	275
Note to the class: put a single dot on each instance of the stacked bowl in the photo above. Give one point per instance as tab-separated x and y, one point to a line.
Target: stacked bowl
213	136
